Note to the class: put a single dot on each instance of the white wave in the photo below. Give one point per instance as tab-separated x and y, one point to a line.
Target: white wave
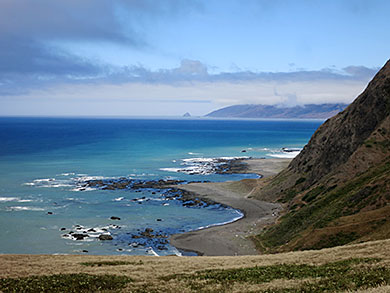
119	198
240	216
198	160
3	199
171	169
58	185
233	158
88	178
50	183
201	166
140	175
92	232
157	199
176	252
14	199
205	160
149	199
68	174
76	183
289	150
82	188
264	149
44	180
284	155
19	208
151	251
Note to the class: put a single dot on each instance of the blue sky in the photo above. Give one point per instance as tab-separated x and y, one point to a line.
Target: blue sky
152	57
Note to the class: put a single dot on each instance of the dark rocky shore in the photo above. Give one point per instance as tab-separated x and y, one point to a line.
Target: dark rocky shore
232	166
167	189
147	237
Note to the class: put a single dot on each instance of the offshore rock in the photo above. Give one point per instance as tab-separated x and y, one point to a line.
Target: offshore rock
105	237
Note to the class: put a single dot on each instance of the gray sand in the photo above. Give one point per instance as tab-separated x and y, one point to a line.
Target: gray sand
232	239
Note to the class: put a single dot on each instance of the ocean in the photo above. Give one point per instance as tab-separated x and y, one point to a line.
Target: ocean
44	163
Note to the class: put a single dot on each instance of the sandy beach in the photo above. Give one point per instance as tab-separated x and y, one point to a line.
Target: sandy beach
232	239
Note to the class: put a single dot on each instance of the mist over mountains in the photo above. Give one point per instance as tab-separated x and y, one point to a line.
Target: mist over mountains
309	111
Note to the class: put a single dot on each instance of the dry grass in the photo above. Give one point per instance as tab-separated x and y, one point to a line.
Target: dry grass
150	274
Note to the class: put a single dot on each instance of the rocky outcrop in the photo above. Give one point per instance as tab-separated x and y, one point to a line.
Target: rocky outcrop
105	237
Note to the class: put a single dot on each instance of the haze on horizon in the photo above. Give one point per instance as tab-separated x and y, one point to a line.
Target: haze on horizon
163	58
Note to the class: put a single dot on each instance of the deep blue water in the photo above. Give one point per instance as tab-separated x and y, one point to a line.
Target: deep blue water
42	159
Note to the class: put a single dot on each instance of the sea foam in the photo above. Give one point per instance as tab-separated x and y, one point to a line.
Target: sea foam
20	208
201	166
15	199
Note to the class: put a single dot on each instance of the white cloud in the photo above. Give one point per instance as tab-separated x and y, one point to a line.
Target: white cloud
199	98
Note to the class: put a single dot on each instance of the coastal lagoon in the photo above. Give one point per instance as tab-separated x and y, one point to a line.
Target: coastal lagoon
45	162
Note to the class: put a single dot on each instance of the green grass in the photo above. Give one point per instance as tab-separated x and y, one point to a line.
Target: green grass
353	280
325	206
312	194
264	274
300	180
64	283
288	195
384	145
110	263
338	276
337	239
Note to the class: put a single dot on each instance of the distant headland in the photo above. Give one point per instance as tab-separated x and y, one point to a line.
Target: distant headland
309	111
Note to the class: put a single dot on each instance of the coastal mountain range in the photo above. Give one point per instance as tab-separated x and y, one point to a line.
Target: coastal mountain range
337	190
309	111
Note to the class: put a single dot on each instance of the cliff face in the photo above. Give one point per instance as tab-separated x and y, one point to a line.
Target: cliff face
339	137
337	190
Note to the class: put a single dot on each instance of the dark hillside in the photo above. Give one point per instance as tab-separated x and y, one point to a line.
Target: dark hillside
338	138
337	190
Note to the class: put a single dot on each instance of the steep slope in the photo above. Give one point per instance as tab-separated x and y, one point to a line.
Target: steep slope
337	190
310	111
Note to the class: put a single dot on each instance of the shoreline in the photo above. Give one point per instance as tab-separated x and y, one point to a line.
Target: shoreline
232	238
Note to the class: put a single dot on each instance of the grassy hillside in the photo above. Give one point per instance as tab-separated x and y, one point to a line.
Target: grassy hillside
327	216
337	191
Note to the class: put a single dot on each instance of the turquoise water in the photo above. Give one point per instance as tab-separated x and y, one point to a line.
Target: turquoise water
43	159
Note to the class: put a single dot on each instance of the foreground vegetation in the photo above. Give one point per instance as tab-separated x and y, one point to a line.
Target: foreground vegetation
338	276
328	216
64	283
361	267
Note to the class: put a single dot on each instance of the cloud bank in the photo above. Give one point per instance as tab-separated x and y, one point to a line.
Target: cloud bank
39	76
131	91
31	36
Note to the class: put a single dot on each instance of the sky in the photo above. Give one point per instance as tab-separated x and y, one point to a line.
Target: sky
168	57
